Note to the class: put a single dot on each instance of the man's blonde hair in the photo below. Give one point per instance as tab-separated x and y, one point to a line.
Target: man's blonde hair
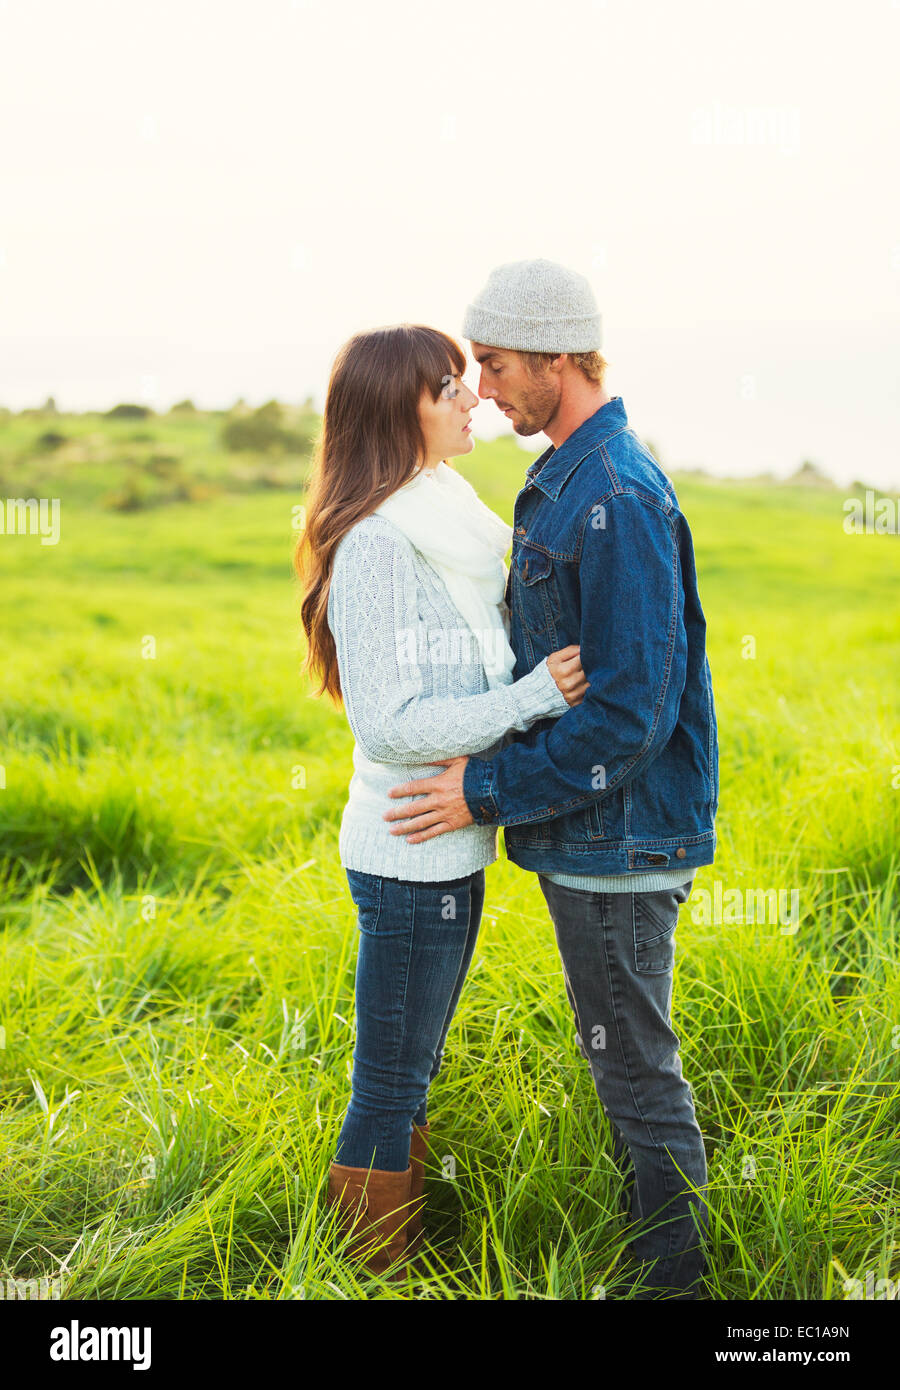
590	364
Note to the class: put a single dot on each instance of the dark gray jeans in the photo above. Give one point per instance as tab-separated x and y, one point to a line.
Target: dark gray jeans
617	951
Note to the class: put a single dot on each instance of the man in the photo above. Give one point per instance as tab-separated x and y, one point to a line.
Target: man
613	804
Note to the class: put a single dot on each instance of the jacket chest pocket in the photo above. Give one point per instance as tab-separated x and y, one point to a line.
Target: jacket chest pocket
535	591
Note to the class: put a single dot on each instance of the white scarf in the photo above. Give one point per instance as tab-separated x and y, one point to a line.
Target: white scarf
465	542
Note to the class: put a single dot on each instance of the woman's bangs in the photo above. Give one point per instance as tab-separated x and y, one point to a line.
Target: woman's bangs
441	357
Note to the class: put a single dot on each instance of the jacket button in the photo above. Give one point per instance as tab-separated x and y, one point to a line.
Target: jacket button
520	530
680	852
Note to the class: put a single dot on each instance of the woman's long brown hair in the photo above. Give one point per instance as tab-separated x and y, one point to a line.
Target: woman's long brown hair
371	444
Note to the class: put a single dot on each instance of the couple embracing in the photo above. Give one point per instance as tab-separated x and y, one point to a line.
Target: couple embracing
578	714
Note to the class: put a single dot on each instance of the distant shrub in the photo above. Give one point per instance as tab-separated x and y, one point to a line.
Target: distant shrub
299	441
31	411
261	429
165	463
271	477
128	411
266	430
186	407
192	490
810	475
131	498
50	439
139	492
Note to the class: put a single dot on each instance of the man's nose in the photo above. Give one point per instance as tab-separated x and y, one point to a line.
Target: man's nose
484	391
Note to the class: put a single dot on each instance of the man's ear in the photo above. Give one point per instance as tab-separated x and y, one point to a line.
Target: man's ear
559	362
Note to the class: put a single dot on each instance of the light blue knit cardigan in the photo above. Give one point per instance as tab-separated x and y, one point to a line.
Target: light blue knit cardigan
414	690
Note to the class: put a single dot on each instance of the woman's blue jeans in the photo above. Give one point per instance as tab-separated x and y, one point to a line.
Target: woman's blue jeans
415	944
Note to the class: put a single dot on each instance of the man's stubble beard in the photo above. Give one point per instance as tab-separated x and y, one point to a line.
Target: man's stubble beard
541	405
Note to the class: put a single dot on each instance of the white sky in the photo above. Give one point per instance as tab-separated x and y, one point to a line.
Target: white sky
205	198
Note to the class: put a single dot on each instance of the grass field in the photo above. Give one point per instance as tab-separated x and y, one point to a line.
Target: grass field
178	937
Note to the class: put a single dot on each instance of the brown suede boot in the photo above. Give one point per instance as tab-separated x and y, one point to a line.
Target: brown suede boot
374	1208
418	1152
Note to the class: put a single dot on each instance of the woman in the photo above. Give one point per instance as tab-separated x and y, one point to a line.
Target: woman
404	612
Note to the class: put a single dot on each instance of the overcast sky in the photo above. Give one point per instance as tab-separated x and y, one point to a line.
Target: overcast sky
204	198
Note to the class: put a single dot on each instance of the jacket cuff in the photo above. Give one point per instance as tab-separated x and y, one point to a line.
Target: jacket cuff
478	778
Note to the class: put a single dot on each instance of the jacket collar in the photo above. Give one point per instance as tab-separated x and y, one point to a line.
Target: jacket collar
551	471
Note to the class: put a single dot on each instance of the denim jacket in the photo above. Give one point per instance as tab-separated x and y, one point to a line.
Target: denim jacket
602	556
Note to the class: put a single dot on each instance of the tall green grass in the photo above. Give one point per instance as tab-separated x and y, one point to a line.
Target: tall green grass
178	941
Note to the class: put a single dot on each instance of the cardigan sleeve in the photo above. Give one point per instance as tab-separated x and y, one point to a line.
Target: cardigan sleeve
372	612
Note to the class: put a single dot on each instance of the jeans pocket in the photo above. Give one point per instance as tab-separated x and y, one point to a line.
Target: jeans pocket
367	891
655	916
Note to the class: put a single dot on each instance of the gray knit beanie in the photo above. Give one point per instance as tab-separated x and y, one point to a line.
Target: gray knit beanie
534	306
